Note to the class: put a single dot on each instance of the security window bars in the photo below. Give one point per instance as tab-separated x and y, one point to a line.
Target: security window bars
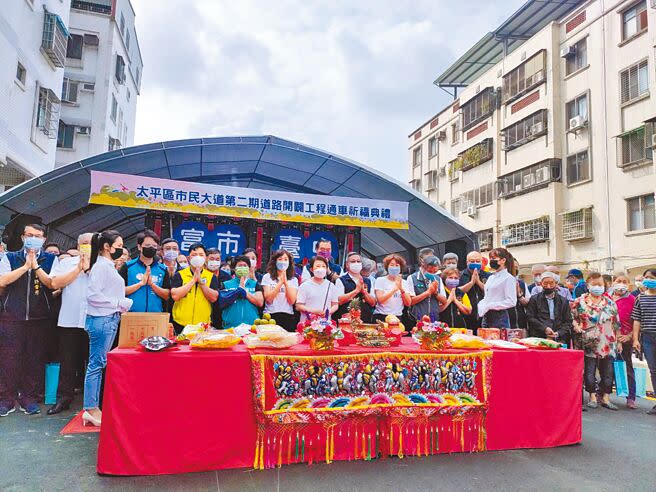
530	178
485	240
634	81
531	231
525	77
479	197
577	225
526	130
47	116
69	90
633	148
53	41
478	108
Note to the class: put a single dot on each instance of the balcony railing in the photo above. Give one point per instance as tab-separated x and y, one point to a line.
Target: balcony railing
98	8
55	38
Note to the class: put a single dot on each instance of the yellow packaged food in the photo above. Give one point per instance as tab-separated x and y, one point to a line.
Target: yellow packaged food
214	339
459	340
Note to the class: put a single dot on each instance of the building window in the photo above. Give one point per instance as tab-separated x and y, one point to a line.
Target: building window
578	168
92	6
432	147
633	148
472	157
114	109
477	198
634	20
531	231
525	77
577	107
54	39
127	41
634	81
455	207
642	214
430	181
122	24
530	178
21	73
485	239
69	90
120	69
577	224
74	47
47	112
113	144
524	131
91	40
579	59
455	133
89	87
479	108
65	136
416	157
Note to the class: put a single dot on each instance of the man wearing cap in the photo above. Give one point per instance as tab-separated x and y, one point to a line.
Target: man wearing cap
426	289
547	313
575	283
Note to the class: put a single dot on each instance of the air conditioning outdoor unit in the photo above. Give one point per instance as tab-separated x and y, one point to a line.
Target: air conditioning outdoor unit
653	137
441	135
442	170
83	130
542	175
529	180
567	51
537	128
471	211
577	122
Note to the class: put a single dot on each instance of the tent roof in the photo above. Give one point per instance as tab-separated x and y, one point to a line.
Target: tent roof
60	197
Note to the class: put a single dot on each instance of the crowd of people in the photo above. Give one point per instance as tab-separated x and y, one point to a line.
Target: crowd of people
80	294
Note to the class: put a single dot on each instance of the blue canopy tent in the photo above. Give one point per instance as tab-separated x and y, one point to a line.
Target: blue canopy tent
60	198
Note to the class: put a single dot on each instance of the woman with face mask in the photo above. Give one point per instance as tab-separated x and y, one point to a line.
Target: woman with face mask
244	308
457	304
317	295
105	302
280	288
644	324
391	290
500	291
596	323
352	285
625	302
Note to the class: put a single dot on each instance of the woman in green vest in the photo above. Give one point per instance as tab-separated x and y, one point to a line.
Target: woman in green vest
244	308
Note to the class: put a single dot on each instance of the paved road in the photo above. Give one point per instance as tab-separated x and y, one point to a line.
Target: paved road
618	453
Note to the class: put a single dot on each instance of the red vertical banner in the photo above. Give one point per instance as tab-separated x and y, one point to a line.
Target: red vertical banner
258	245
349	242
157	226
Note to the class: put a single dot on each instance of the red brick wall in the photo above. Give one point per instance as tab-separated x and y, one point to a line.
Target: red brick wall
522	103
477	131
433	123
575	22
418	135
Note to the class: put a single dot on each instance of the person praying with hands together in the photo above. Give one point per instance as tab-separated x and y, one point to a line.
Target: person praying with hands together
352	285
392	292
280	287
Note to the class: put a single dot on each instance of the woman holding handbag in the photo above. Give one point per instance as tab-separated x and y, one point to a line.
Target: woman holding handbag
625	302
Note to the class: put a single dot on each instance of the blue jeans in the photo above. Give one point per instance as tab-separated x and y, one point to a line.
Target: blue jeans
102	331
496	319
649	349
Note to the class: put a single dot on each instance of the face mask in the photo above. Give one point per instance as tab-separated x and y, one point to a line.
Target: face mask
638	283
149	252
452	283
536	279
548	291
170	255
282	265
184	265
430	276
242	271
116	254
213	265
394	270
197	261
557	279
319	272
620	288
494	264
355	267
596	290
475	266
227	270
324	254
649	283
253	263
34	243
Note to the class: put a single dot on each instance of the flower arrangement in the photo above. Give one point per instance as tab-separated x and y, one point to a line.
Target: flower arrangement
321	332
432	335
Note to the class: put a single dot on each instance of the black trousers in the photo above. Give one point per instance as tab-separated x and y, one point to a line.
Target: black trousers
21	360
286	320
605	367
73	354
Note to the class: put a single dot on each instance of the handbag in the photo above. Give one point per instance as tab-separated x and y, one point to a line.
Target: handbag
621	379
590	339
52	383
641	381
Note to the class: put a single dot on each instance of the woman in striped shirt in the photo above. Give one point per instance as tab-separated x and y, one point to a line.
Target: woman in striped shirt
644	324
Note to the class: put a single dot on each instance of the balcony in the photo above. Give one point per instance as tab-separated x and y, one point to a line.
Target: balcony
55	38
528	232
577	225
472	157
96	7
530	178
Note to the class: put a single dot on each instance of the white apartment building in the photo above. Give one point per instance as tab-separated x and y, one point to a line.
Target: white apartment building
102	80
33	36
548	148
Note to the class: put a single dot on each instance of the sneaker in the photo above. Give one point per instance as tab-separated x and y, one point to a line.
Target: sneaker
631	404
609	405
4	411
31	409
652	411
592	404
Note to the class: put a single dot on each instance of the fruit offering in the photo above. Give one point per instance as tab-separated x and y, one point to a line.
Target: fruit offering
265	320
431	335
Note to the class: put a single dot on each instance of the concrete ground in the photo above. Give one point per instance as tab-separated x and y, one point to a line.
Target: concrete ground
618	453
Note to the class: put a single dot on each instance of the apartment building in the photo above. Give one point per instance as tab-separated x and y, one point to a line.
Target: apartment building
33	36
548	146
101	82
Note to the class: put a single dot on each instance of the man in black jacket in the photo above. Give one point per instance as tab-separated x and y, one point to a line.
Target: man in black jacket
548	314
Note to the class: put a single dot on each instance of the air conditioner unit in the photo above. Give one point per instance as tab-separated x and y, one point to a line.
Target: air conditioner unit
471	211
577	122
542	175
653	137
567	51
537	128
537	77
528	181
441	135
442	170
84	130
518	187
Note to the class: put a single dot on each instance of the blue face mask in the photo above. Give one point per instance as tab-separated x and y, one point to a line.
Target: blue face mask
35	243
394	270
475	266
597	290
430	276
649	283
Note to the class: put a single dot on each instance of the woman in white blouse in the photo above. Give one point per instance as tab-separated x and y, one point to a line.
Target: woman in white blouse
391	290
280	289
105	302
500	291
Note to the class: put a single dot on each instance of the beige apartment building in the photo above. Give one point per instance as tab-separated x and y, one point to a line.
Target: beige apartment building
548	147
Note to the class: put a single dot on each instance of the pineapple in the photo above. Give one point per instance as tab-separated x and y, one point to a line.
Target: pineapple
354	310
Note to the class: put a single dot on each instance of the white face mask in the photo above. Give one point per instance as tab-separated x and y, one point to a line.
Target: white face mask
183	265
355	267
253	263
197	261
319	272
213	265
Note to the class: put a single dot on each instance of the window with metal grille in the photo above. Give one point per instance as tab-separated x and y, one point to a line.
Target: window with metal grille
641	212
47	112
69	90
530	178
633	148
476	155
577	224
455	206
634	20
54	39
10	176
416	157
112	115
74	47
524	131
432	147
578	167
577	107
478	108
485	239
634	81
525	77
579	59
531	231
65	135
431	180
478	197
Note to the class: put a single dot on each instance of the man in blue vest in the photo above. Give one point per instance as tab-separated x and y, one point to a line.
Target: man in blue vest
147	280
27	301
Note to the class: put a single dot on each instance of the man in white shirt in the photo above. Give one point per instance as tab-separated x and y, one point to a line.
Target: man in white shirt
70	275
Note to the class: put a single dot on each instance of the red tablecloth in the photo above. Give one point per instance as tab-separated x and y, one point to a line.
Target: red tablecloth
185	410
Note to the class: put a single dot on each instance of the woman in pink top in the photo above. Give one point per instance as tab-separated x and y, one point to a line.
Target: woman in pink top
625	301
